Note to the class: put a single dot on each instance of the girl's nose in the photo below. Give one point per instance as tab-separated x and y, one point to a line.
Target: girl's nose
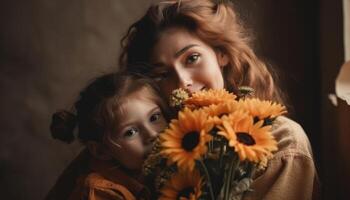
150	134
150	140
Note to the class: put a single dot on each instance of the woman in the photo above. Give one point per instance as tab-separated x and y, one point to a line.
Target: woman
200	44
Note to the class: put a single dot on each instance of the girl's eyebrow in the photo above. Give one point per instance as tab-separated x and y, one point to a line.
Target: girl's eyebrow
183	50
123	125
156	108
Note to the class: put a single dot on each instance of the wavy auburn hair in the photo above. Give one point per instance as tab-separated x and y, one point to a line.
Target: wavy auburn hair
214	23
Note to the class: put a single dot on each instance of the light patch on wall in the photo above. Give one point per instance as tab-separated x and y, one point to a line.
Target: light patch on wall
342	83
346	21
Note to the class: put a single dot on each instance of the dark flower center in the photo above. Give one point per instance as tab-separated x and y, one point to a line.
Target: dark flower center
245	138
256	119
190	140
185	192
267	121
222	114
214	131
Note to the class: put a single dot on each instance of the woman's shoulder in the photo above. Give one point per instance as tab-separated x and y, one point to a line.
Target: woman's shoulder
291	173
291	138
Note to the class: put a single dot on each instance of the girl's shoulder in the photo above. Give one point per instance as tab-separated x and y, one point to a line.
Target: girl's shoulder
96	185
109	179
291	138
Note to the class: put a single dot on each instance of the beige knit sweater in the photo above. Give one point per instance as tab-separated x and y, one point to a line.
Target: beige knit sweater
290	174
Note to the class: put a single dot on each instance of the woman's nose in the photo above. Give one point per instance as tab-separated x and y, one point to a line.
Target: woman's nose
184	79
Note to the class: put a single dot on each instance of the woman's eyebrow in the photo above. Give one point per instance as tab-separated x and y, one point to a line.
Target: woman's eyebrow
176	55
183	50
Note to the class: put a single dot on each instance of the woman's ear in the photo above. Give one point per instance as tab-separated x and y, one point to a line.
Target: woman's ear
98	150
222	58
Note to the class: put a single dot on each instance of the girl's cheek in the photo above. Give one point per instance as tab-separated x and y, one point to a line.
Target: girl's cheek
135	151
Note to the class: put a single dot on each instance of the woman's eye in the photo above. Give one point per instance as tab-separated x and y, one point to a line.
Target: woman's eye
192	58
130	133
155	117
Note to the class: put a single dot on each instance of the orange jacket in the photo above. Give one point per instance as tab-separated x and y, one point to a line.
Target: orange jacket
88	178
108	181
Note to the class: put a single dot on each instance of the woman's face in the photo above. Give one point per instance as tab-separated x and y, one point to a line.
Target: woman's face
182	60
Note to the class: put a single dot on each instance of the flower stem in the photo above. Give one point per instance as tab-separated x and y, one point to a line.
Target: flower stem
233	166
208	178
221	154
251	170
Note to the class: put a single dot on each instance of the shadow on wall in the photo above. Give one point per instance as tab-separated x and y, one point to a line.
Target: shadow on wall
48	51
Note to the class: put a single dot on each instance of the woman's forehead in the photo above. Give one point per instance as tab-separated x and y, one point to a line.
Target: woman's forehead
172	40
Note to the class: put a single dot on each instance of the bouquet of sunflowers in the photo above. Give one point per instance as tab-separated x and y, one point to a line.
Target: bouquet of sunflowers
210	151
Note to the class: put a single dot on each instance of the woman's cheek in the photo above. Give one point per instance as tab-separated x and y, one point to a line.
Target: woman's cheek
214	78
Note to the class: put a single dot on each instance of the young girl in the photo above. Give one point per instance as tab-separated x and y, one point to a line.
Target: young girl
117	116
200	44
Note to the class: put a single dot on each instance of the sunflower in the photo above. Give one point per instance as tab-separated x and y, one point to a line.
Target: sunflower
216	112
209	97
183	185
185	139
252	142
262	109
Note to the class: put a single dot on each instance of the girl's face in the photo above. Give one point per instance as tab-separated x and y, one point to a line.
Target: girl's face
140	121
182	60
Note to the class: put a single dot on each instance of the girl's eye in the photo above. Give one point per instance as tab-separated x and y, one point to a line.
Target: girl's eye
192	58
155	117
130	133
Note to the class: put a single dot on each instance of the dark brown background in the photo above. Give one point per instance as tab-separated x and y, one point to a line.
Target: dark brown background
50	49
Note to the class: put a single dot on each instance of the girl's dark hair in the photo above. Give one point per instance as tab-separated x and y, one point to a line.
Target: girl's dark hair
214	22
95	110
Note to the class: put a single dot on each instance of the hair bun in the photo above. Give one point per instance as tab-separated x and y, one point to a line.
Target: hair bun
62	126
